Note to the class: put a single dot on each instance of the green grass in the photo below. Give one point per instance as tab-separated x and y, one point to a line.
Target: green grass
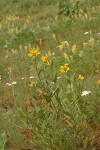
52	114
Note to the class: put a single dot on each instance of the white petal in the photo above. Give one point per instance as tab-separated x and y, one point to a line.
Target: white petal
31	77
58	78
86	32
14	82
84	93
9	84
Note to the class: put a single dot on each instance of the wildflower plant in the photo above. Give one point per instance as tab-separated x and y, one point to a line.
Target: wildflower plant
49	71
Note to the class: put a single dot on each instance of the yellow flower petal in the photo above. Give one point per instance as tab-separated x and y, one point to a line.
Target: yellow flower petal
33	53
64	68
80	77
31	84
45	59
98	82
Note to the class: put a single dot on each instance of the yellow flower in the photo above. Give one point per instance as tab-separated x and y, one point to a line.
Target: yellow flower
66	55
98	82
45	59
96	71
53	53
90	32
49	53
29	46
74	48
64	68
91	40
81	53
81	77
85	44
31	84
56	18
33	53
86	16
28	19
71	58
54	37
63	45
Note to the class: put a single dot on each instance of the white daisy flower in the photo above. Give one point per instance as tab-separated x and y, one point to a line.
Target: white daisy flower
86	32
31	77
84	93
14	82
9	84
58	78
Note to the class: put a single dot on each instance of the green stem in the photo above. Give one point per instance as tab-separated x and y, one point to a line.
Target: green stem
37	71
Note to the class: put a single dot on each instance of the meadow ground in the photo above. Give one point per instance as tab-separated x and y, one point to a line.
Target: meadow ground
49	75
